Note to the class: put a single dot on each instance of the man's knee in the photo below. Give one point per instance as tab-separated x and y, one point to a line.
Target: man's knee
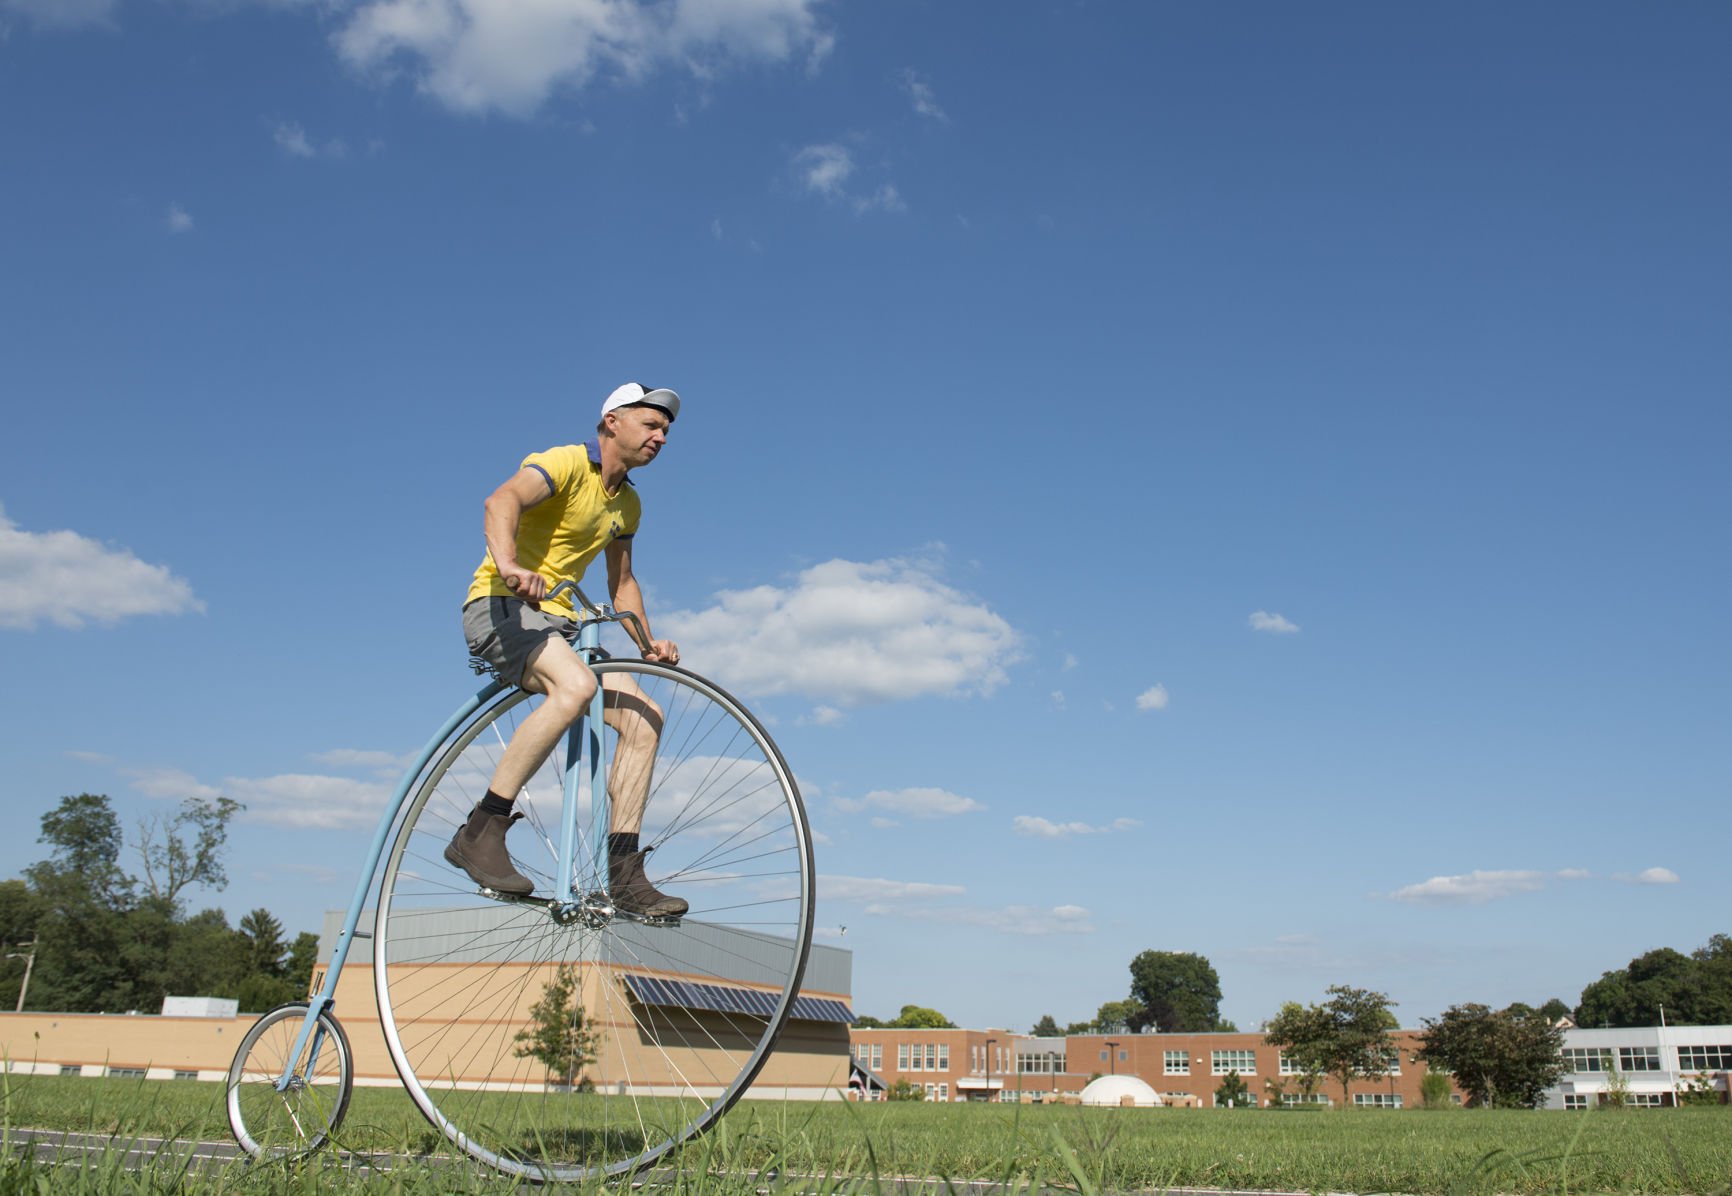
558	673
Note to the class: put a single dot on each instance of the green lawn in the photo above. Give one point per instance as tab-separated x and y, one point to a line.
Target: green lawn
1415	1151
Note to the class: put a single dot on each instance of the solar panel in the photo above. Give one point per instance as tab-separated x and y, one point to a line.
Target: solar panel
725	998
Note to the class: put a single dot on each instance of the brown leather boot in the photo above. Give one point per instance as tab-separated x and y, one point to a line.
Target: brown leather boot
632	892
478	848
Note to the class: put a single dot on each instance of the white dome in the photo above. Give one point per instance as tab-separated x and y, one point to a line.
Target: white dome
1111	1090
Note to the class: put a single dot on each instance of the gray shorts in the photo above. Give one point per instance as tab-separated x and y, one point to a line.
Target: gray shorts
504	632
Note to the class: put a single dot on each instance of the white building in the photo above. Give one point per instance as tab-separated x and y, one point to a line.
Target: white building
1653	1063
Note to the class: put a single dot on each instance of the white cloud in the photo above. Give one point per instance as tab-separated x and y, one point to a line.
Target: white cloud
1069	662
292	140
823	716
1025	920
1057	699
1473	888
919	93
289	799
1476	888
68	580
885	199
510	56
824	169
1275	624
63	14
1042	828
179	220
1153	698
863	888
848	632
910	803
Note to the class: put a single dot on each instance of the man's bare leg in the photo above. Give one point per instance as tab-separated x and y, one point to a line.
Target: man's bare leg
637	721
478	847
637	724
559	673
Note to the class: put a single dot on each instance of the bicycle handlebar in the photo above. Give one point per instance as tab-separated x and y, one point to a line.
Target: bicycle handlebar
604	614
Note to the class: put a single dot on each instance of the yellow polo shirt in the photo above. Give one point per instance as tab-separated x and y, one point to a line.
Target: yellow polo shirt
561	535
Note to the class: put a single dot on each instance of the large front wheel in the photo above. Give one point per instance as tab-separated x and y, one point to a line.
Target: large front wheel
557	1037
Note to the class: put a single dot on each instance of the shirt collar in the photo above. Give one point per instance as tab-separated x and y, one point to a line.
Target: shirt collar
592	448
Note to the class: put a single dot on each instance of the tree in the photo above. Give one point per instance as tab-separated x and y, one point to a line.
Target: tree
904	1090
1434	1090
1118	1017
1079	1028
1045	1027
1693	990
868	1022
1346	1036
559	1035
171	863
1553	1009
1179	992
109	943
82	898
1503	1059
19	913
918	1017
1234	1093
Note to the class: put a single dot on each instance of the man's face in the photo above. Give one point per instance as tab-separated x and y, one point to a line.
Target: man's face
641	432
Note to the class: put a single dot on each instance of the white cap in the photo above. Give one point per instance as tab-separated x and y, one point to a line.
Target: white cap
634	392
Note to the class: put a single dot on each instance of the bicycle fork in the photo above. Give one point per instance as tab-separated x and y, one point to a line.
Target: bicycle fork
585	788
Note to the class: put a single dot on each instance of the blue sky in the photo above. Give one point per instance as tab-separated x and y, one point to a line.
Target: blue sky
1295	435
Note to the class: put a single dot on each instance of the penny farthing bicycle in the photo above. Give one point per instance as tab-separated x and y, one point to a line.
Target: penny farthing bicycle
552	1036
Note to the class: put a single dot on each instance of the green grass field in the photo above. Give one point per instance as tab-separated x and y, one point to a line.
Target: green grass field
1091	1150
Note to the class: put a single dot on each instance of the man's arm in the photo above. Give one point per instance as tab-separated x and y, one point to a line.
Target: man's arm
503	510
627	596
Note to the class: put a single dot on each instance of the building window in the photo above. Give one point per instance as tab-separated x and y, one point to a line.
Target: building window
877	1056
185	1075
902	1056
931	1091
1243	1062
1302	1098
1638	1058
1645	1100
1103	1056
1705	1058
1575	1100
1178	1063
1392	1063
71	1069
1586	1059
944	1092
932	1056
1290	1066
1124	1056
974	1060
1377	1100
127	1073
944	1056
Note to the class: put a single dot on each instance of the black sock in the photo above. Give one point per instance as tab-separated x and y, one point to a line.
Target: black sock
494	804
621	842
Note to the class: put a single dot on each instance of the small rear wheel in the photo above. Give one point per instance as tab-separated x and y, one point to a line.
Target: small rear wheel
274	1119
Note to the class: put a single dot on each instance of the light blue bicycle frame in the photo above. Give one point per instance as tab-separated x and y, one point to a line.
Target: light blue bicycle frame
589	648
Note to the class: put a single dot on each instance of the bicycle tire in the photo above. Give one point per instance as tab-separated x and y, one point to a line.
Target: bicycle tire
729	832
268	1123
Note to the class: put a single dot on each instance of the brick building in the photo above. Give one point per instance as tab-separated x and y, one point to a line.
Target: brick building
1185	1069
